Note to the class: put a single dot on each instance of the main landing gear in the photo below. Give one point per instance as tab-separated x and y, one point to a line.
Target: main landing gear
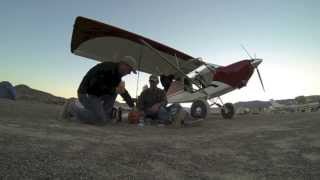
201	108
227	111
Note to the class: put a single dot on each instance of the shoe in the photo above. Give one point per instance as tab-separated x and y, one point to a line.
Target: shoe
65	113
178	118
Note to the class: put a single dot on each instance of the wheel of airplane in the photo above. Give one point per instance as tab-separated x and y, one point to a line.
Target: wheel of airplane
199	109
227	111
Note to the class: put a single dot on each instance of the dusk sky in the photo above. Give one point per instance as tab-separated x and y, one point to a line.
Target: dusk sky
36	35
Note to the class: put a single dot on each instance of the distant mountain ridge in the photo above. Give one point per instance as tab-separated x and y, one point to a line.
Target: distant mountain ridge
267	104
24	92
252	104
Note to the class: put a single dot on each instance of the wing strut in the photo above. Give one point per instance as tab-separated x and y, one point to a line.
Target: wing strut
164	58
177	61
168	62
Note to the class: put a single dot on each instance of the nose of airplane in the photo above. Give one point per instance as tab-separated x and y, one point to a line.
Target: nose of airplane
255	62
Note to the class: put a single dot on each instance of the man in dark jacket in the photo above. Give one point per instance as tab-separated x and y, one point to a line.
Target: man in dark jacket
99	89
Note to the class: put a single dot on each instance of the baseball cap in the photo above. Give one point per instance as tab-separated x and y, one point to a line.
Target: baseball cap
153	78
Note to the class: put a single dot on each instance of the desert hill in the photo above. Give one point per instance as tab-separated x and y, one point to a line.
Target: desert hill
24	92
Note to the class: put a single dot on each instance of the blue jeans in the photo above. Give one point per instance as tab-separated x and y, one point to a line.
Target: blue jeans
97	110
163	115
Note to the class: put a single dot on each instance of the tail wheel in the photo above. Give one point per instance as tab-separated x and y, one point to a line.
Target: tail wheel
199	109
227	111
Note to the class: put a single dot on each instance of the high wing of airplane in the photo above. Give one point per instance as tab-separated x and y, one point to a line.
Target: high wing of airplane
103	42
192	79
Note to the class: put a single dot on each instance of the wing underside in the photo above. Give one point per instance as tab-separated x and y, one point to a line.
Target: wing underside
102	42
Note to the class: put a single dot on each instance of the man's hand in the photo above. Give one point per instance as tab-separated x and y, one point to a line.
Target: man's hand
127	98
155	108
120	89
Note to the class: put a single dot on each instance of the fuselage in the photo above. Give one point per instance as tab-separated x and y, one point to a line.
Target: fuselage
214	81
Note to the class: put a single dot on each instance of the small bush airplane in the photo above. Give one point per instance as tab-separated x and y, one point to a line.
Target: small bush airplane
185	78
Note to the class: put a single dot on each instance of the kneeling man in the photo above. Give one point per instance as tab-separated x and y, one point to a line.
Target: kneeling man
98	91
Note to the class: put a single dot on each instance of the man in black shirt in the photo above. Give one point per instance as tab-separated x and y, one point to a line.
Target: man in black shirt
99	89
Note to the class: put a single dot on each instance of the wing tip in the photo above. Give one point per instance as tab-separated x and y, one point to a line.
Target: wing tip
77	38
81	25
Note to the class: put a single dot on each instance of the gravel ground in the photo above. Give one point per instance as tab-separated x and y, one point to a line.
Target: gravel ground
34	145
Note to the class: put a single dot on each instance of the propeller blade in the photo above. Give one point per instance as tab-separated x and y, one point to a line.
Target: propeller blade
246	51
255	66
260	79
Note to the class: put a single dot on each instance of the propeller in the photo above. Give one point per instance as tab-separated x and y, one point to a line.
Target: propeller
260	79
258	61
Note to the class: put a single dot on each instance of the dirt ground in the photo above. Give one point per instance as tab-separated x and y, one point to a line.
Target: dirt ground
34	145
